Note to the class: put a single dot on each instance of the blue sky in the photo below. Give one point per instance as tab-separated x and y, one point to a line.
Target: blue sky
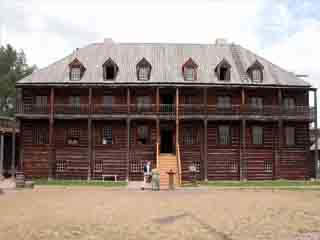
286	32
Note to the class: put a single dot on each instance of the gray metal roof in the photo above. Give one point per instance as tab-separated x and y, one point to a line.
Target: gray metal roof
166	60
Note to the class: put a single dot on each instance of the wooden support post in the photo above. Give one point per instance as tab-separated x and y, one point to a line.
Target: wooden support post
1	155
21	147
90	136
158	100
278	151
205	101
128	100
316	153
51	164
128	149
205	160
243	161
177	115
13	154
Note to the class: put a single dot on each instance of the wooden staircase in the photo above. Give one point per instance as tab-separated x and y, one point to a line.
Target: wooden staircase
168	162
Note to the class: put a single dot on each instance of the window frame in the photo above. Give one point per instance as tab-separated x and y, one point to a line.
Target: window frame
192	73
74	74
225	65
40	136
222	105
73	136
105	139
257	99
289	103
227	139
110	64
190	135
253	137
288	141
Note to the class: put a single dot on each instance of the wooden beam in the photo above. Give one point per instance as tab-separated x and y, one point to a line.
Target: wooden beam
13	156
90	135
205	160
128	149
316	153
1	154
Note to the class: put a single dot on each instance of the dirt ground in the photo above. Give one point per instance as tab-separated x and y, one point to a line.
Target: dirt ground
100	213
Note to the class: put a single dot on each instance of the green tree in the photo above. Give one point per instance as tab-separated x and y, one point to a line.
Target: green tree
13	67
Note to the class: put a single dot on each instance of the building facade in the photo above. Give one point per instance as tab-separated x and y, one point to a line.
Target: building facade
218	109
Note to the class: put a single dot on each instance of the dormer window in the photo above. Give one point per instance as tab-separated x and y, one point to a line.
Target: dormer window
189	70
223	71
143	70
110	70
255	72
76	70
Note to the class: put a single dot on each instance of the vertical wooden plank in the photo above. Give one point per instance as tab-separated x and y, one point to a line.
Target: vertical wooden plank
1	154
158	100
90	135
13	156
21	147
316	153
128	149
205	160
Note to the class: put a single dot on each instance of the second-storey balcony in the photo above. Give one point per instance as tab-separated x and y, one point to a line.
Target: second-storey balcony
169	110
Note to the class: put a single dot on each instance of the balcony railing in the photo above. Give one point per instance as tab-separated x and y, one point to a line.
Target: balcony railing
109	109
304	112
71	109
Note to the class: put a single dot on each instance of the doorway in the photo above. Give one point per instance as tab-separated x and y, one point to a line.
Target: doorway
166	141
167	101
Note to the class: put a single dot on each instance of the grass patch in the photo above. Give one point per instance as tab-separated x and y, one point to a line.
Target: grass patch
262	184
46	182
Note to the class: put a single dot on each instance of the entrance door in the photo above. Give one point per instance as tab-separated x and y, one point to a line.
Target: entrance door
166	141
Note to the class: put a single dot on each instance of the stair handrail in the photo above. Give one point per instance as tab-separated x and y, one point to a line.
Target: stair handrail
179	164
157	157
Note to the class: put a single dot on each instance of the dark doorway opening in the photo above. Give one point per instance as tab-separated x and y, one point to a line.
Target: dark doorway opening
166	141
167	101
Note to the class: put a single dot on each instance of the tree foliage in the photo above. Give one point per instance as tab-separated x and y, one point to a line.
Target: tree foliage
13	67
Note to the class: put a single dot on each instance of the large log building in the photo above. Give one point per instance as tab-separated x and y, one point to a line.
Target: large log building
108	107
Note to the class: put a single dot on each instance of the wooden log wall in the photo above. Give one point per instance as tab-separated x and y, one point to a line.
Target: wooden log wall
141	153
191	154
110	159
223	160
74	157
295	162
35	157
260	158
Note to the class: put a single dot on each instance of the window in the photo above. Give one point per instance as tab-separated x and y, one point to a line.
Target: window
257	135
61	166
143	134
143	70
75	74
107	100
189	70
224	135
40	135
143	103
73	136
290	136
224	102
76	70
223	71
268	166
107	135
190	136
74	100
256	102
256	75
41	100
255	72
188	99
189	74
289	103
110	70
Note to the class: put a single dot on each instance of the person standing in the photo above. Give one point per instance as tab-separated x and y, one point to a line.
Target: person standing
146	173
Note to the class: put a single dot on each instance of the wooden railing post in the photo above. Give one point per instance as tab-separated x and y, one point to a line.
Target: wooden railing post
316	154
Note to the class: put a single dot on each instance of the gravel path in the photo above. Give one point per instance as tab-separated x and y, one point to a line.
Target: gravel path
99	213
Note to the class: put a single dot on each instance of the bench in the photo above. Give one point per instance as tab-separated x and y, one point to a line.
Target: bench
110	175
